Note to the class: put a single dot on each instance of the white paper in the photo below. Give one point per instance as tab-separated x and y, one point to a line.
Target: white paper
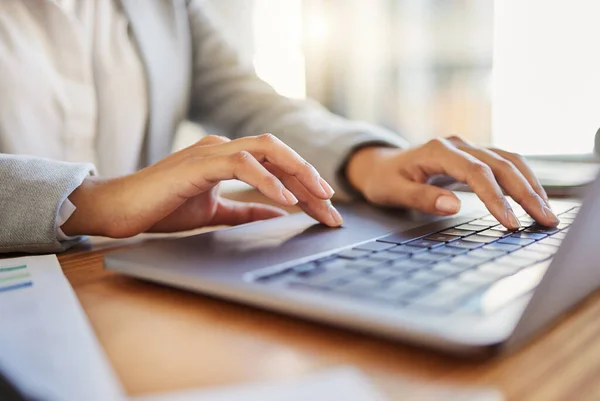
345	384
47	346
339	384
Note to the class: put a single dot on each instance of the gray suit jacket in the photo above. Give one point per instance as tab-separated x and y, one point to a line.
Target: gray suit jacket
193	73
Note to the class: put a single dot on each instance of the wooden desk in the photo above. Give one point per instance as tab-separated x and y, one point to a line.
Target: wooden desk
161	339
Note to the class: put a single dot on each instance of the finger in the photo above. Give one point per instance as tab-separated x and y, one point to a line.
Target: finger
233	213
319	209
441	157
424	197
212	140
527	172
516	185
267	147
203	173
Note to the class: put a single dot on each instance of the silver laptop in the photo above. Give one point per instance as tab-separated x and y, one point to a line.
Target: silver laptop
463	284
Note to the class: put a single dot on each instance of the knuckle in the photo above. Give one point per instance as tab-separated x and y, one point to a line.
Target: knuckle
438	144
212	139
455	138
267	139
517	158
505	165
241	158
479	169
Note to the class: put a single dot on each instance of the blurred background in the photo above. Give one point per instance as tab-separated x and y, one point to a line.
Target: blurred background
519	75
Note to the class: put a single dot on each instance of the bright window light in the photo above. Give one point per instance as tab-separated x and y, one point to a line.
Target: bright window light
279	59
546	75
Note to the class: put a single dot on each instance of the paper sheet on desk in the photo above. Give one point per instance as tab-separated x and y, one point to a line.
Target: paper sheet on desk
344	384
47	346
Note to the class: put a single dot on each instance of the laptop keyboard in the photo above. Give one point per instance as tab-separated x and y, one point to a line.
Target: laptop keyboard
447	271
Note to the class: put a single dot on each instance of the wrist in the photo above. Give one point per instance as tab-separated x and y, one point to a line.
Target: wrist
89	217
360	165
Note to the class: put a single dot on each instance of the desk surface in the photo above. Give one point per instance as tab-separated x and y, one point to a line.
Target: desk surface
161	339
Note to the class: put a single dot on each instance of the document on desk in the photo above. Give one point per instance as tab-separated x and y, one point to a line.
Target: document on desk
47	347
343	383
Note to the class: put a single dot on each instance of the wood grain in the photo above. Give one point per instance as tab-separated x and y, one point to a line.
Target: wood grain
161	339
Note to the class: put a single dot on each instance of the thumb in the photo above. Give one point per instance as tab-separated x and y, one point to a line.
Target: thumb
424	197
232	213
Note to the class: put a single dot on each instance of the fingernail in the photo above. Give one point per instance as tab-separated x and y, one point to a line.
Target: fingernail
336	216
550	215
512	219
289	197
326	187
447	204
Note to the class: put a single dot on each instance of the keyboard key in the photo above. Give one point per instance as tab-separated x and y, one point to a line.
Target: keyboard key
449	251
430	257
308	269
567	215
532	255
504	230
560	235
442	238
516	241
476	278
526	235
363	264
564	219
489	218
383	274
542	248
444	296
494	233
471	227
426	277
479	238
329	277
406	249
407	265
398	290
563	225
374	246
360	285
486	253
483	223
334	263
353	254
496	246
497	269
448	268
511	260
423	243
387	256
465	244
458	233
397	238
541	229
467	260
551	241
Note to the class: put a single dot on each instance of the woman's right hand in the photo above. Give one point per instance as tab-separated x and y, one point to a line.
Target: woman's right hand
181	192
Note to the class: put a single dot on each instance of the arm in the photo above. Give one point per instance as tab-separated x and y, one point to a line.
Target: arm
228	96
31	192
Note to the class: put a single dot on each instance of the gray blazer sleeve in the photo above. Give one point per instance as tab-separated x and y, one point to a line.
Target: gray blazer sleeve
31	192
229	97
